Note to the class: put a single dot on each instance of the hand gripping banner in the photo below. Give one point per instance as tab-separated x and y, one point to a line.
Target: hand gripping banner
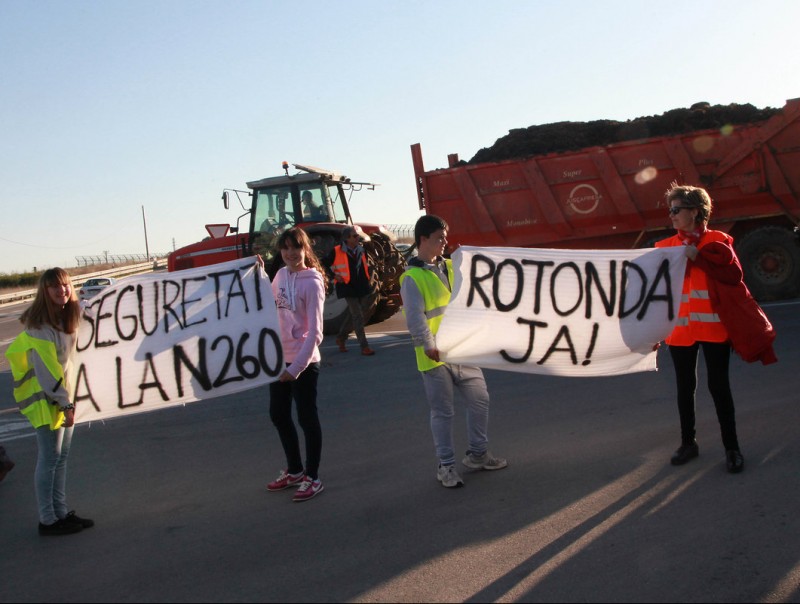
160	340
581	313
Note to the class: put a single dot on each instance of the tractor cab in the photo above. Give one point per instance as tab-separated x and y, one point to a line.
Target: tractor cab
314	198
281	202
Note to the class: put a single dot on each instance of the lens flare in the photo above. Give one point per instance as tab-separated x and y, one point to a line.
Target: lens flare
645	175
702	144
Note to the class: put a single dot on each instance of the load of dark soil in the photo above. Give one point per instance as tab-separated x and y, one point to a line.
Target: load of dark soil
570	136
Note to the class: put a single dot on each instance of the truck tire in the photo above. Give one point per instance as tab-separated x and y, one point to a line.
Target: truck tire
770	258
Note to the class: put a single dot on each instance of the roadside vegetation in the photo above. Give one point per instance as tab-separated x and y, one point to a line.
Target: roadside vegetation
11	282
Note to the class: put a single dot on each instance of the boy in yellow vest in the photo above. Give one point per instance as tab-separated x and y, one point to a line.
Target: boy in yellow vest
425	289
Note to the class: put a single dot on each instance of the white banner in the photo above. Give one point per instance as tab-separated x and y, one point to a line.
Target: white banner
561	312
159	340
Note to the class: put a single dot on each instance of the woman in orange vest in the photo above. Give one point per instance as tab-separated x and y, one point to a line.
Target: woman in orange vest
711	263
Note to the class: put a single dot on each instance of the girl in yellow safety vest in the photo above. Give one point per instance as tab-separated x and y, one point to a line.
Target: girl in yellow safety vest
40	359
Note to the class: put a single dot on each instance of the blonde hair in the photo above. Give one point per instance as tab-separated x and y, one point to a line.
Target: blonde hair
44	311
693	197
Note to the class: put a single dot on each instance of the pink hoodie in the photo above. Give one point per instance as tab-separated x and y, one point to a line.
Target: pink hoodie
300	297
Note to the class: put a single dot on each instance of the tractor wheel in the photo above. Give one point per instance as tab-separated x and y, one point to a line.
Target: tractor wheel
323	243
386	265
770	258
335	313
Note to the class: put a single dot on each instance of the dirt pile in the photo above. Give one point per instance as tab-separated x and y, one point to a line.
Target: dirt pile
570	136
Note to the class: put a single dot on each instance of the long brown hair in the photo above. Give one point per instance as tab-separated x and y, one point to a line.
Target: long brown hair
297	237
43	311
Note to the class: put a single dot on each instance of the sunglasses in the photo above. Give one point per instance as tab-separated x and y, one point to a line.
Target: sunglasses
677	210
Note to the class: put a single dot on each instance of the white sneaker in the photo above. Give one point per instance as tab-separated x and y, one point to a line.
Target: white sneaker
487	461
309	488
448	476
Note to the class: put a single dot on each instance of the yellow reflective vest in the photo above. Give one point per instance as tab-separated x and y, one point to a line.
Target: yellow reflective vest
436	298
32	400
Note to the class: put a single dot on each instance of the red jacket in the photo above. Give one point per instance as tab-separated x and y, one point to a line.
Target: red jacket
749	329
751	334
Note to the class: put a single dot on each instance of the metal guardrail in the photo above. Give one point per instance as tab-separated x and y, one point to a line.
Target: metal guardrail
402	231
122	271
85	261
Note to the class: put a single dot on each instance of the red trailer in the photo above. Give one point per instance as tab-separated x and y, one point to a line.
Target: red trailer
613	196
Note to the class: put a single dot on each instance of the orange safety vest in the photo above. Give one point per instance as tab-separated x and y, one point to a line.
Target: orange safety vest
341	266
698	321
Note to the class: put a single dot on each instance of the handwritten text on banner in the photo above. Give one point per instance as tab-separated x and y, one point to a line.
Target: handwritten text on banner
561	312
159	340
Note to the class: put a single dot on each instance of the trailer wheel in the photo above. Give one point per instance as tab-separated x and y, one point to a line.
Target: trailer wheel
770	258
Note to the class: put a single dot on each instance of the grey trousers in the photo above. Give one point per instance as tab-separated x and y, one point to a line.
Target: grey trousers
357	317
441	384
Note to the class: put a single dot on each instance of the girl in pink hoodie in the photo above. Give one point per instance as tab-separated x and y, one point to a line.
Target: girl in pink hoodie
299	290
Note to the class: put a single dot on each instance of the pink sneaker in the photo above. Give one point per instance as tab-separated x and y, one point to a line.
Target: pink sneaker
308	489
285	480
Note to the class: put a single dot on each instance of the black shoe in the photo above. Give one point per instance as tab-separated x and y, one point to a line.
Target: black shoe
73	518
60	527
684	453
734	461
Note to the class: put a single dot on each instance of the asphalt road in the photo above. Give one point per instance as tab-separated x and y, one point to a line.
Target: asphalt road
589	508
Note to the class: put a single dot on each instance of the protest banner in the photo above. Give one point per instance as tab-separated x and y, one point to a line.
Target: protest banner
159	340
581	313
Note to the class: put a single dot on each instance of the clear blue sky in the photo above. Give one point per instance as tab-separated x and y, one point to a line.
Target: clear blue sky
111	105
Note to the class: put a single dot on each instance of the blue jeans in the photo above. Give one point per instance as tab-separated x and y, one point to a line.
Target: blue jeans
440	385
50	477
